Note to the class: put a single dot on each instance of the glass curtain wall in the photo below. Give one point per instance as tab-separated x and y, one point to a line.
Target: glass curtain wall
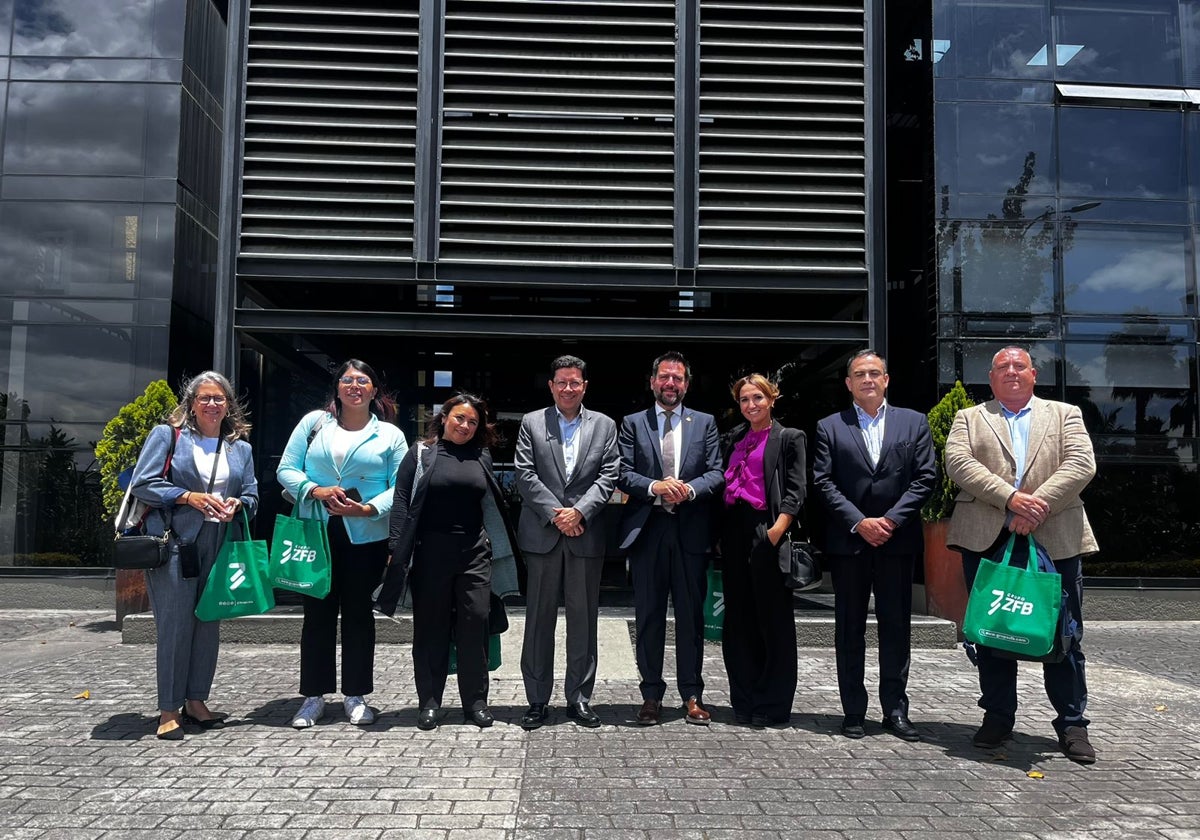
89	138
1066	191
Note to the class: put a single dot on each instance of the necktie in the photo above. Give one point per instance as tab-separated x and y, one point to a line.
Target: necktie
668	451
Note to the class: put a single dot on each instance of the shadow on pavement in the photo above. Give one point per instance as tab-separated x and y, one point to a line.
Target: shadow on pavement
125	726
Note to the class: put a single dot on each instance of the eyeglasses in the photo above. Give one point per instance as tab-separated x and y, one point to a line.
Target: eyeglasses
355	380
571	385
210	399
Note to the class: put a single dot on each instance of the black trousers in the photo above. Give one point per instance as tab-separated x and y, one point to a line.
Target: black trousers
854	576
660	567
759	638
1065	681
355	572
451	582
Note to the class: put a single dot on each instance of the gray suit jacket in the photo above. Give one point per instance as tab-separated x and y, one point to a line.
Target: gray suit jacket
1059	463
161	492
542	480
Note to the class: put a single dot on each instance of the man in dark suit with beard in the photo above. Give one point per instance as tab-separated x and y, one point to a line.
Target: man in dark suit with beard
671	469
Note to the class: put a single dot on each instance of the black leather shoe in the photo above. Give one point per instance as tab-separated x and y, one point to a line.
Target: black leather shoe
901	727
852	727
427	719
535	716
582	714
992	734
480	717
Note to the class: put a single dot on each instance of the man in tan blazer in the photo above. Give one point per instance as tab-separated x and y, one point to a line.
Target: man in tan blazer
1021	463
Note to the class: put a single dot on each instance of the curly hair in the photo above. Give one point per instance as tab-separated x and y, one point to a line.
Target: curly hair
234	426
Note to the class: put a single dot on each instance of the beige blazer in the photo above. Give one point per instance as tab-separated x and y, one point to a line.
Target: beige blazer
1059	463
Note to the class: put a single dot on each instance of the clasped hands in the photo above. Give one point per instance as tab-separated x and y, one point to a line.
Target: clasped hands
1028	512
876	530
213	506
569	521
338	503
672	490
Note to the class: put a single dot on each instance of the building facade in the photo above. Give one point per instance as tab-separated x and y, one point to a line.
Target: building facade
459	190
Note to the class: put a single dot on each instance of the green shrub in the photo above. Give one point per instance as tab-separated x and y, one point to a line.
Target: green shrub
941	417
118	448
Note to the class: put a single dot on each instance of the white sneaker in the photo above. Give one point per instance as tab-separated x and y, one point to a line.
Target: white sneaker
358	711
311	711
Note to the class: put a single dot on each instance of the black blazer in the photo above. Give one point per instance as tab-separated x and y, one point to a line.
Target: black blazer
896	487
783	466
405	523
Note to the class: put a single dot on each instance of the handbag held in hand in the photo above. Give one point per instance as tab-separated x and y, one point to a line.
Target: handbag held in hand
239	583
300	554
1015	609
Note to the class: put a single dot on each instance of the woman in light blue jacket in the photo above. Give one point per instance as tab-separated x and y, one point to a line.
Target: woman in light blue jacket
195	472
340	465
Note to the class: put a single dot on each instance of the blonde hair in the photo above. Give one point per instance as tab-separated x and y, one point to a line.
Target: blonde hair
756	380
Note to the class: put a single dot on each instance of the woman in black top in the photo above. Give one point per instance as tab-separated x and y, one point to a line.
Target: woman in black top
445	493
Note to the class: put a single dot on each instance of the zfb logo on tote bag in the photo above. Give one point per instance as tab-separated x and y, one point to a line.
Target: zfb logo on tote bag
300	554
237	584
1012	608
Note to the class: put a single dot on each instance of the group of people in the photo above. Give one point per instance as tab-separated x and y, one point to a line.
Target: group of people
429	523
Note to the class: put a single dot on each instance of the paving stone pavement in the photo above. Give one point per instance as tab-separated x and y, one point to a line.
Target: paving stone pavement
77	769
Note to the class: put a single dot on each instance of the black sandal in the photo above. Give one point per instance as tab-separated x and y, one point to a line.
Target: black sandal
217	721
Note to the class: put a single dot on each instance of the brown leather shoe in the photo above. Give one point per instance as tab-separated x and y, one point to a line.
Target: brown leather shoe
650	713
696	713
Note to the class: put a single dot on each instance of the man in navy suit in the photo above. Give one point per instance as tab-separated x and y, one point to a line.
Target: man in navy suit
874	467
670	469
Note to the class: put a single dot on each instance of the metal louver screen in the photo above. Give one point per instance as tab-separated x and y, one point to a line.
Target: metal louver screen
782	136
557	137
331	96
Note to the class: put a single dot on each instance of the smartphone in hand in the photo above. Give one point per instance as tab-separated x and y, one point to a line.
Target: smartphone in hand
352	494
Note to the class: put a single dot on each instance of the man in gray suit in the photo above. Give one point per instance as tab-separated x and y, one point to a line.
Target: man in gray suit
566	464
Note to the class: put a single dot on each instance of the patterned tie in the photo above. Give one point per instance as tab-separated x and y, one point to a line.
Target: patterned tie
668	452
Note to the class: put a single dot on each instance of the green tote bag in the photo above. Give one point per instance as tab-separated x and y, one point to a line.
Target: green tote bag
238	583
300	555
714	606
1014	609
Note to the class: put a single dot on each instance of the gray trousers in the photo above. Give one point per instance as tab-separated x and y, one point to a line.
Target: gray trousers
187	647
577	580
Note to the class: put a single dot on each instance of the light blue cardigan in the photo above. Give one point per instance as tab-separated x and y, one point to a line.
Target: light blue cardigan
369	468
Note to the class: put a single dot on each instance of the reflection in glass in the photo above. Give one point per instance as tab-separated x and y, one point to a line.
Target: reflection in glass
1118	42
115	28
76	249
6	13
1146	519
992	38
71	373
999	266
91	128
1127	271
1139	388
987	148
1103	152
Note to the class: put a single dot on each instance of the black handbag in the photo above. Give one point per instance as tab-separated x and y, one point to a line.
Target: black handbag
141	551
131	548
803	570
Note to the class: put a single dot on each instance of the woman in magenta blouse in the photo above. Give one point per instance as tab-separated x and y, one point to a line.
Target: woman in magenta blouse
764	493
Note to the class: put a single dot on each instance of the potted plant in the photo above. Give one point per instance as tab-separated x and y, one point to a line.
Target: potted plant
117	452
945	589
